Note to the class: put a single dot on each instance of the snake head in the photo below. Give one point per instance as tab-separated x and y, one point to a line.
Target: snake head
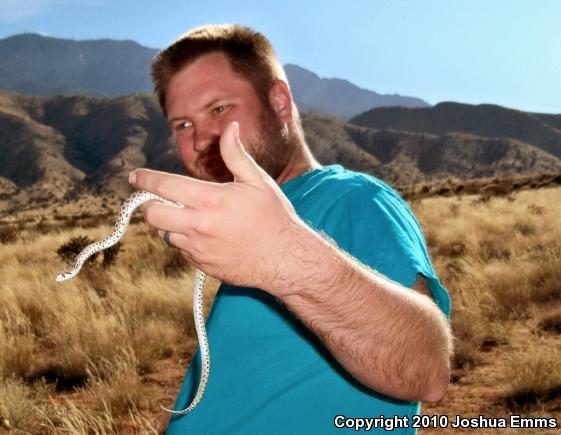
63	276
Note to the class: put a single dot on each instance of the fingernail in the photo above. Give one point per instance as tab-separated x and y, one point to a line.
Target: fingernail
161	233
132	177
236	130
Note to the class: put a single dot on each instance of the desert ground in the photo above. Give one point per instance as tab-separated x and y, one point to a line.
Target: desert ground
100	353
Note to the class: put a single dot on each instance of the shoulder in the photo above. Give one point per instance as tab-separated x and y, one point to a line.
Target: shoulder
364	193
369	220
333	183
332	194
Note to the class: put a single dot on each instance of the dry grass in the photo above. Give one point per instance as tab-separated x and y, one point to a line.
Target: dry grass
534	379
501	260
99	353
496	254
94	339
551	321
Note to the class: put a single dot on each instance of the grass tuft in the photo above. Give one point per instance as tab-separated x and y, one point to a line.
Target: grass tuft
534	380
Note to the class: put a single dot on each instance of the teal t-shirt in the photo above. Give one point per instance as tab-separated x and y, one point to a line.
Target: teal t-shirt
269	374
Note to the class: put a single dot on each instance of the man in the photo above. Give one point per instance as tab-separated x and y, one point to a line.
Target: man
328	302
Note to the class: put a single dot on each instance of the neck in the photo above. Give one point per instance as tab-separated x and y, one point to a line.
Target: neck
300	162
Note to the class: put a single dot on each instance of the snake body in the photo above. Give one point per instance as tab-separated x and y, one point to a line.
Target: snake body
135	200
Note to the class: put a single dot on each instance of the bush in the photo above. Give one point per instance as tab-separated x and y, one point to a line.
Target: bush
534	380
8	235
175	265
551	322
70	250
110	255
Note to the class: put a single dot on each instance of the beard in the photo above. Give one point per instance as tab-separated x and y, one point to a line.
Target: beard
271	148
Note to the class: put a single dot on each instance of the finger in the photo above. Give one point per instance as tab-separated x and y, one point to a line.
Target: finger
177	188
182	242
236	158
176	240
169	218
166	236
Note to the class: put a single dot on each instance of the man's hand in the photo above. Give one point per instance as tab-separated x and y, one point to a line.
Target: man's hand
237	232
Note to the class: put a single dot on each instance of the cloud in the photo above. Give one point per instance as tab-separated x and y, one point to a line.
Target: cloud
13	11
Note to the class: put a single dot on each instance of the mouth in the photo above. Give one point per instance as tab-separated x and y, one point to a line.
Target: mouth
215	168
212	161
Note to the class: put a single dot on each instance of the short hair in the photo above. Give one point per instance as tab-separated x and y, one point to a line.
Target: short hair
250	54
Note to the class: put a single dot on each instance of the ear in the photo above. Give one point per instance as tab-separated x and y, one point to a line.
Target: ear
281	100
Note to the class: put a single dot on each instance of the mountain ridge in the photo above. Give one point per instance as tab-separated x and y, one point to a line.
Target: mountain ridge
61	149
340	97
486	120
39	65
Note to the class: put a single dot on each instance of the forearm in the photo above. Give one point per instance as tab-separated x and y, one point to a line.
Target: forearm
390	338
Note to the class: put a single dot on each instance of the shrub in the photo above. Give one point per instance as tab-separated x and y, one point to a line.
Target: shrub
70	250
533	380
110	255
175	264
8	235
551	322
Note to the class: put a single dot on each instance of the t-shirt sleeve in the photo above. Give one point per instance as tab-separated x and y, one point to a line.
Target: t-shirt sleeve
374	225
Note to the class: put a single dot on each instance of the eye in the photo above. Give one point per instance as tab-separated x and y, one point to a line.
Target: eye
183	125
218	110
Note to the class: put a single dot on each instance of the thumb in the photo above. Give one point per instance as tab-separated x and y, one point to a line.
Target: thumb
236	158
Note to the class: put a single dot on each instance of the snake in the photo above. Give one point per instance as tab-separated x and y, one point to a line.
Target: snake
135	200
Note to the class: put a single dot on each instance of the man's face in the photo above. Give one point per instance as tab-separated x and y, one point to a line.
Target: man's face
202	99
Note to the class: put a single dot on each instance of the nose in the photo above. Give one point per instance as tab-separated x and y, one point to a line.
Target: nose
205	136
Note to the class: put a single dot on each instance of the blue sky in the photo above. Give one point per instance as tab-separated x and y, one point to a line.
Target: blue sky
472	51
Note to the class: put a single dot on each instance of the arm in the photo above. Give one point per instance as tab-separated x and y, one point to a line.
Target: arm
393	340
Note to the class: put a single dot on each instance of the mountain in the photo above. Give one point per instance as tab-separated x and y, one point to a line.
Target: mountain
59	150
541	130
39	65
404	158
46	66
338	97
